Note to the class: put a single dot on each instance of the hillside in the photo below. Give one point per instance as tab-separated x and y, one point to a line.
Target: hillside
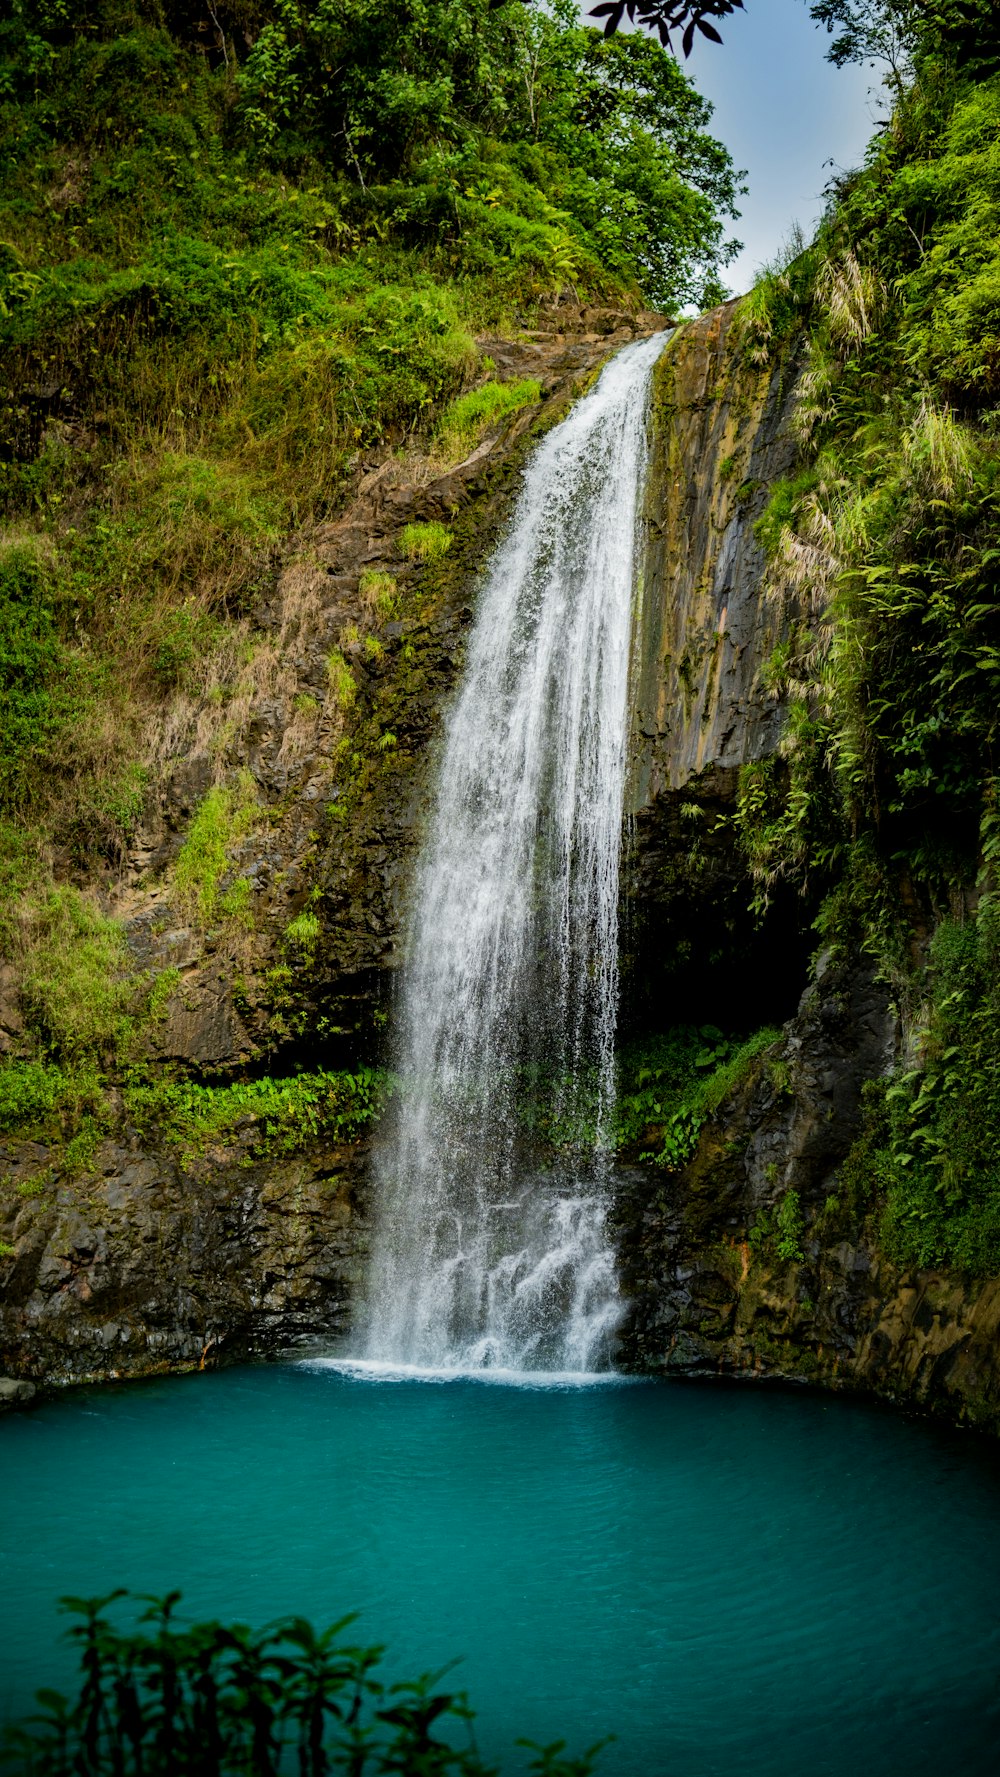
259	263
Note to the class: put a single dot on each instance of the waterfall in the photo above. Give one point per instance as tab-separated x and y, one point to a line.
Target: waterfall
486	1255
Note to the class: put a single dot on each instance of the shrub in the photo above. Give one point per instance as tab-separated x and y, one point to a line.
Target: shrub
341	680
287	1113
680	1080
303	930
668	1087
789	1228
29	1093
226	1699
929	1157
76	982
466	419
425	542
379	593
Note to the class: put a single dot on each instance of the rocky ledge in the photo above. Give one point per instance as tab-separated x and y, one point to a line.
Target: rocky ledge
723	1283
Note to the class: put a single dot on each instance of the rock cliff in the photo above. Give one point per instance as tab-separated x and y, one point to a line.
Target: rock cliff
155	1260
721	437
710	1292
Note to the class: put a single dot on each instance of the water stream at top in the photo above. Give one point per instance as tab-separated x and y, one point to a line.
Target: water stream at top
482	1257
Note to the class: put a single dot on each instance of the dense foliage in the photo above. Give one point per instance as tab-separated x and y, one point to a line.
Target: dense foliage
223	1700
888	544
668	1086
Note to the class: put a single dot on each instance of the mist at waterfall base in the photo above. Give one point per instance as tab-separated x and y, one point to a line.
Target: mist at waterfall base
730	1580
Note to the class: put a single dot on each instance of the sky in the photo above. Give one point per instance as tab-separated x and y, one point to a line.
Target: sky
783	112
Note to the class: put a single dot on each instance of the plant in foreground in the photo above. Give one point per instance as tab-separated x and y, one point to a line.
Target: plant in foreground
215	1699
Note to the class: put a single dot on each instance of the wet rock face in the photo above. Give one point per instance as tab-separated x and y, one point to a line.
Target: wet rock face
721	438
148	1266
709	1290
694	1268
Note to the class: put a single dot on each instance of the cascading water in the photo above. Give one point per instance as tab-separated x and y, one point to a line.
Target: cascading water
482	1258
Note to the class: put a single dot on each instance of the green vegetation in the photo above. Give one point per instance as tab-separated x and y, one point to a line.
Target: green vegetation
932	1142
76	982
224	1699
469	417
29	1092
343	685
425	542
224	818
303	930
671	1085
668	1087
68	1108
379	593
886	547
780	1230
65	1107
284	1114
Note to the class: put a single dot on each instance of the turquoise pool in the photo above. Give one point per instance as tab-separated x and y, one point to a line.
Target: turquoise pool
731	1580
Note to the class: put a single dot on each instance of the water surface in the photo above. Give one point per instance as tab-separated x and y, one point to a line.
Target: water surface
732	1580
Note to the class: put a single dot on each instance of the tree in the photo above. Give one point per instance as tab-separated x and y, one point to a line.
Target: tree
880	32
667	16
622	146
521	110
877	31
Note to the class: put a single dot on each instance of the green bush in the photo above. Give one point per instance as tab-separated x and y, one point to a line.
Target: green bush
379	593
77	984
671	1085
29	1093
225	1699
303	930
425	542
928	1161
343	685
466	419
52	1102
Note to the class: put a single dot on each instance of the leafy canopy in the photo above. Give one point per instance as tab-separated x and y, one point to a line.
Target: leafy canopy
437	111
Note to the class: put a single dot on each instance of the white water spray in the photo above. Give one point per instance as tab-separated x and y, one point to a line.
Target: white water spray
510	996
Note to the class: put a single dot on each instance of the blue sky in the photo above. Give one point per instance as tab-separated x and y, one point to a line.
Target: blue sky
783	111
